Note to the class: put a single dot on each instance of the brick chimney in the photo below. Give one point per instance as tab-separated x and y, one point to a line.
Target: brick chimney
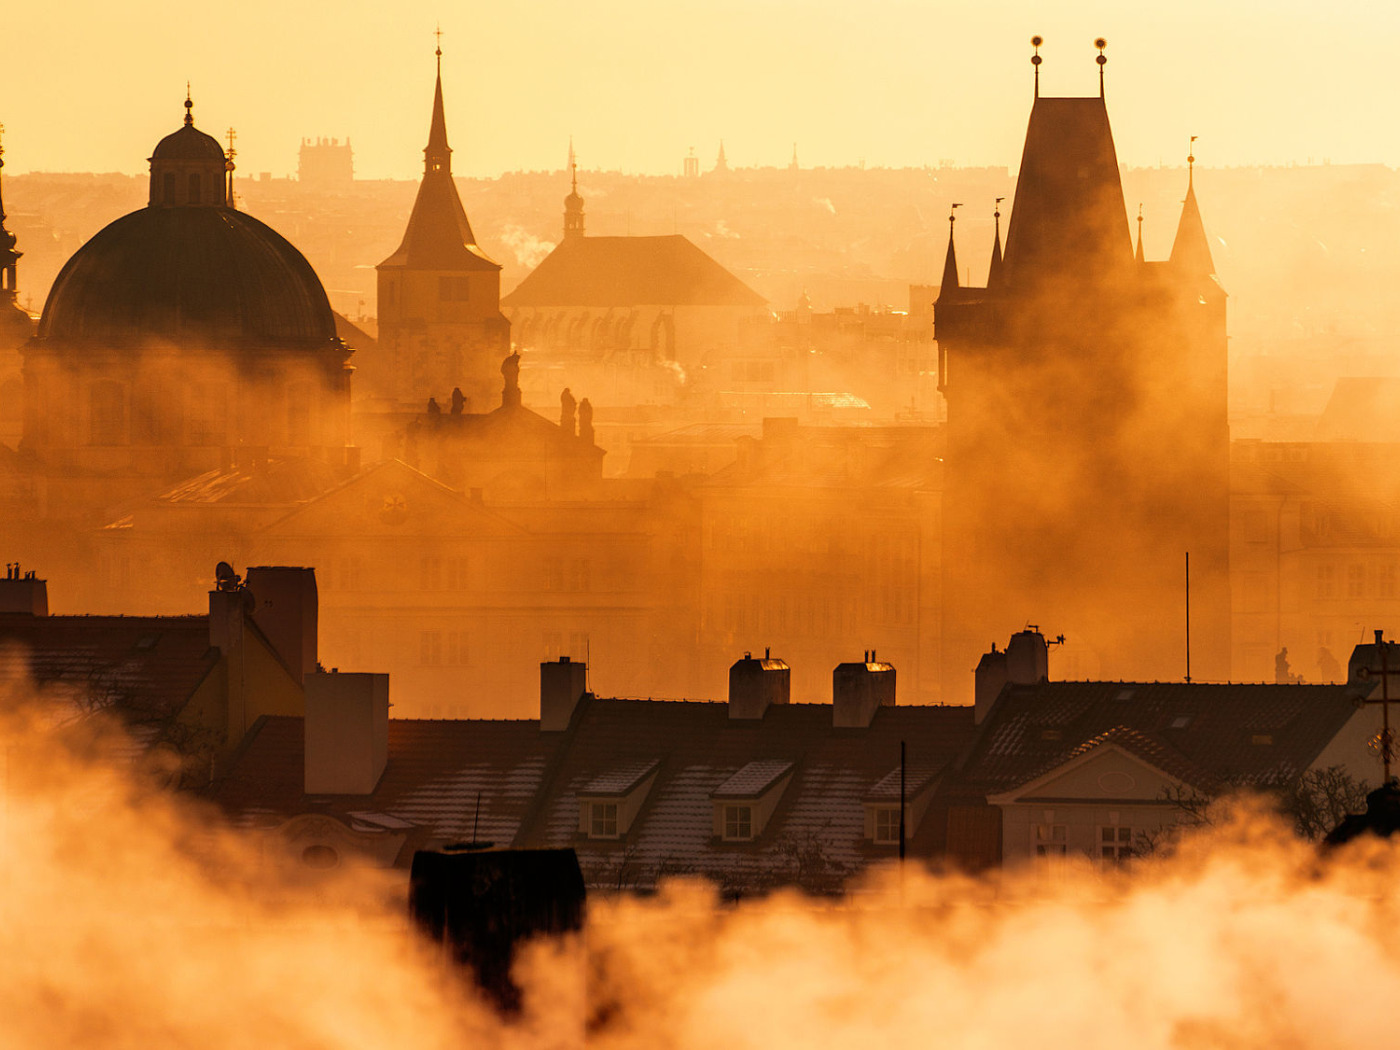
347	732
285	609
23	592
562	685
1026	661
755	684
858	690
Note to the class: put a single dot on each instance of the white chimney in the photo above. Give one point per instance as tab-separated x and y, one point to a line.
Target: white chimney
347	732
562	685
755	684
858	690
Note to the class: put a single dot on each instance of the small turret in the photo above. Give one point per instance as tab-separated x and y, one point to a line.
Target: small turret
1191	249
949	289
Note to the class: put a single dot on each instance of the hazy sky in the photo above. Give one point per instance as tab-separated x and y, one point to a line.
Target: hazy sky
91	86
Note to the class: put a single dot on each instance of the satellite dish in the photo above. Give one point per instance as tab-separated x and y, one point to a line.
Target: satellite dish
225	578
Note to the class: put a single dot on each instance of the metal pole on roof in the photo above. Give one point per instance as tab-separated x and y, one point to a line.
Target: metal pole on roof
1188	617
901	799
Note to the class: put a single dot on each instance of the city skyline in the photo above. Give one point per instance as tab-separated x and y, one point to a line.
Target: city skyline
896	86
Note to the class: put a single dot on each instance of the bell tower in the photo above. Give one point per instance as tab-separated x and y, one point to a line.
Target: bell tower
440	320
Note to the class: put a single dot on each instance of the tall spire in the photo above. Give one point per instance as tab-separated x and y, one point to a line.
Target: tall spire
438	236
438	155
8	255
1138	256
994	270
949	288
1191	249
573	203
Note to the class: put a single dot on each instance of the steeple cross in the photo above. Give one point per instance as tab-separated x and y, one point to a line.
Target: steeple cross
438	34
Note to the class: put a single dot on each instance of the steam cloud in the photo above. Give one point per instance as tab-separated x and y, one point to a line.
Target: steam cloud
529	250
131	919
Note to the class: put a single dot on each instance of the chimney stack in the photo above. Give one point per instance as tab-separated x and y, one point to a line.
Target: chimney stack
562	685
1027	658
347	732
990	679
285	610
755	684
858	690
23	592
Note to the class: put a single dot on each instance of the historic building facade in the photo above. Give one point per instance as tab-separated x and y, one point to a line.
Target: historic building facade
440	321
181	335
1088	441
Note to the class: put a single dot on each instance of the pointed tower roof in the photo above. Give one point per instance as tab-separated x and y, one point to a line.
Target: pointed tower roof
994	270
573	203
1068	218
1191	249
949	288
439	235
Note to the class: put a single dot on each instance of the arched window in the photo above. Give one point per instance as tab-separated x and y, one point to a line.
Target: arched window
299	397
168	188
194	187
107	413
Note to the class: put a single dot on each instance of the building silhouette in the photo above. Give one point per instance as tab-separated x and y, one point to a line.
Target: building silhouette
1088	442
327	165
16	327
440	322
179	332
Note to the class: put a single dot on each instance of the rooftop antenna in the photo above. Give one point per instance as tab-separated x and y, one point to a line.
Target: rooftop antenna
1188	617
901	801
1102	60
228	164
1036	41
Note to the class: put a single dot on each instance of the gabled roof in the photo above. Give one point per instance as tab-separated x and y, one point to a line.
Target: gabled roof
704	756
630	271
278	481
141	668
391	499
437	771
1068	217
1202	734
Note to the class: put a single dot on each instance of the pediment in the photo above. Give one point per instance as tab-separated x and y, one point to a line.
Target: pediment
1105	772
392	499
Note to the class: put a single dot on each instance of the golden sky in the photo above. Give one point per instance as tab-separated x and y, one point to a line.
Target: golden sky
90	85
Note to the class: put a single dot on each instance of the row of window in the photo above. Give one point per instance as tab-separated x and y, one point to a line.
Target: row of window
1114	844
817	616
144	415
736	822
451	649
1360	580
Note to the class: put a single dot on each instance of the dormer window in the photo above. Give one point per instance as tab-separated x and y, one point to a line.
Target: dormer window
882	803
602	820
745	802
738	824
609	802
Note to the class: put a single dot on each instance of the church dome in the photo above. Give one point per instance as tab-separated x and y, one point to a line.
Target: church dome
208	277
189	143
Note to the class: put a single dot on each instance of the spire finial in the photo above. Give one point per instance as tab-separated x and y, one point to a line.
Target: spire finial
1191	162
1102	60
189	105
1036	41
953	214
1139	243
437	33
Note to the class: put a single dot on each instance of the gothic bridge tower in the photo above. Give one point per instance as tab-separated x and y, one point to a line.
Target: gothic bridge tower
1088	441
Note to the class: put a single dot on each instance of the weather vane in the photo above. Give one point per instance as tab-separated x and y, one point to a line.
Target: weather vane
952	213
